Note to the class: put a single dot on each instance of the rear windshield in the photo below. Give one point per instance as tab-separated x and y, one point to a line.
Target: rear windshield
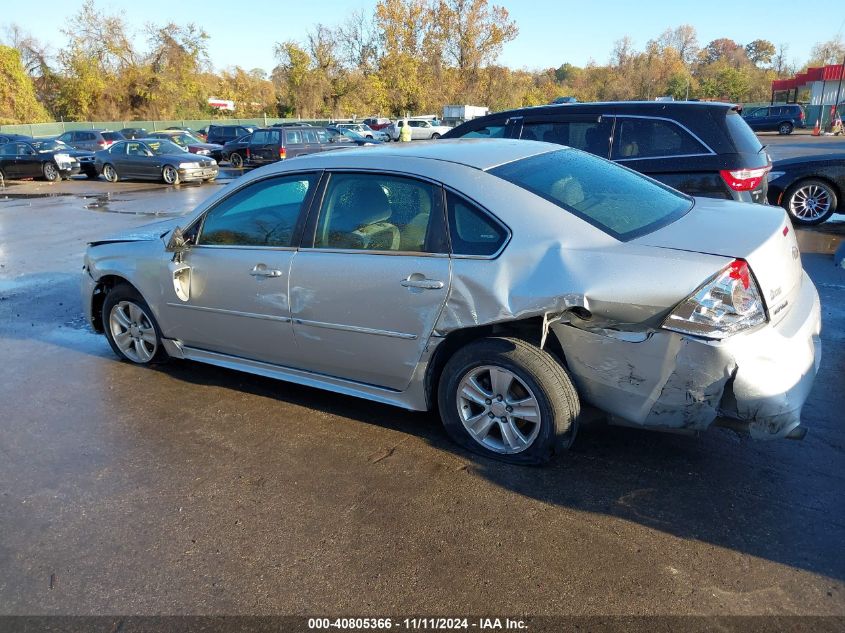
612	198
113	136
742	135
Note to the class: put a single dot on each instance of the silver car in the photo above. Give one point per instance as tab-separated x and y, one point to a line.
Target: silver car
505	283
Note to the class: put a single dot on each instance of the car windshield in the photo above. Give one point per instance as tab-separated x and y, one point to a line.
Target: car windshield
612	198
49	146
351	134
184	139
165	147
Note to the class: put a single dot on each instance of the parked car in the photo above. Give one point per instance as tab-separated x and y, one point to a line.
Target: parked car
134	132
378	123
221	134
700	148
345	135
22	159
515	291
191	143
364	130
235	151
810	188
421	129
270	145
202	133
5	137
92	140
84	157
776	118
154	159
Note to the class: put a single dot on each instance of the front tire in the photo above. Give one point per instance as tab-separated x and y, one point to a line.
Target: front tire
435	136
51	172
785	129
170	175
130	327
810	202
110	173
507	399
236	160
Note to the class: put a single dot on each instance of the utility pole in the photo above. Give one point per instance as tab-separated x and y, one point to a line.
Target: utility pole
838	90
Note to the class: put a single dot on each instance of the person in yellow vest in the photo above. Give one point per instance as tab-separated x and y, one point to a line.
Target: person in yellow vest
405	133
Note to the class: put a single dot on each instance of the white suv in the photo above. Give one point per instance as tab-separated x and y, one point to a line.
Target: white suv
420	129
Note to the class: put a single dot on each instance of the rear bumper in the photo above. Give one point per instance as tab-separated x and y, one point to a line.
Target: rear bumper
664	380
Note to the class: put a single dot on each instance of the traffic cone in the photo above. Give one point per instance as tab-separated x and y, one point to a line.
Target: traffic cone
817	130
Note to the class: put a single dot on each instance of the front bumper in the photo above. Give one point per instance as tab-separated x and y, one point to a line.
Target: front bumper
198	173
664	380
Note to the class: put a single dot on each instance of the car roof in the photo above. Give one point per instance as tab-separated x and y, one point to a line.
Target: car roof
476	153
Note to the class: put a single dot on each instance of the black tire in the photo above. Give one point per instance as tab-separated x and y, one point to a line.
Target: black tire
92	174
236	160
435	136
785	128
3	178
124	293
110	173
803	190
51	172
547	380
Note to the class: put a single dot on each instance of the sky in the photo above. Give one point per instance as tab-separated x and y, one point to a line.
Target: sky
551	32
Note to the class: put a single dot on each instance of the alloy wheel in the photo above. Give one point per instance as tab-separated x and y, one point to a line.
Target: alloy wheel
170	175
810	202
133	332
50	172
498	410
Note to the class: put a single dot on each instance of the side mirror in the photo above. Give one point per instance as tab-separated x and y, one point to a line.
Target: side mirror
177	242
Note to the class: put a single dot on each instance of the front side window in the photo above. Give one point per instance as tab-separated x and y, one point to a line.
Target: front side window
262	214
25	150
472	231
488	131
7	150
618	201
589	135
136	149
652	138
378	213
66	137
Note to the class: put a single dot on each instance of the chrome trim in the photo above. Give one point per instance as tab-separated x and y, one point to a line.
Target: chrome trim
250	248
359	251
355	328
623	160
663	118
252	315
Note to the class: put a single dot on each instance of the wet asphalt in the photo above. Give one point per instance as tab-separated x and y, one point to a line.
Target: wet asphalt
189	489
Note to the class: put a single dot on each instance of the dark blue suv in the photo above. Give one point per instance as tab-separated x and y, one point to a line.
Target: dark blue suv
776	118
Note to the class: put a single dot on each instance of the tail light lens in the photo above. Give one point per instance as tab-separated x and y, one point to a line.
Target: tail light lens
727	303
247	152
744	179
801	115
282	153
102	143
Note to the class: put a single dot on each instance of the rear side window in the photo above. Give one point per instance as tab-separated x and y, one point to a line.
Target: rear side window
261	138
743	137
652	138
293	137
620	202
111	136
473	231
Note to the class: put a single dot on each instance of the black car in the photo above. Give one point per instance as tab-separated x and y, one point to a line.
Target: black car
22	160
134	132
191	143
810	188
11	138
154	159
222	134
235	151
703	149
83	157
776	118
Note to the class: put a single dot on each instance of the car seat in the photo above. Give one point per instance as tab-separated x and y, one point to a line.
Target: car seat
357	218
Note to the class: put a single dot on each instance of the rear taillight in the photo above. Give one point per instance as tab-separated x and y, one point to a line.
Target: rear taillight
102	143
744	179
283	153
247	152
725	304
801	115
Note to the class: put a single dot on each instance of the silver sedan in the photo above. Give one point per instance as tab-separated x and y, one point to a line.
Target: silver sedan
505	283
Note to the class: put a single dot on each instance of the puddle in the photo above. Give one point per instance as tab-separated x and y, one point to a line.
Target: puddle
823	239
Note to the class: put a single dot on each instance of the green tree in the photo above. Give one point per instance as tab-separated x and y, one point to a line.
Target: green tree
760	52
18	103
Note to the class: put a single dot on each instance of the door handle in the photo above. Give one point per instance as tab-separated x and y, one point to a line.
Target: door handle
421	282
261	270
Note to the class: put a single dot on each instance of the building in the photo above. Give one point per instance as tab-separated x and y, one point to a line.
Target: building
826	91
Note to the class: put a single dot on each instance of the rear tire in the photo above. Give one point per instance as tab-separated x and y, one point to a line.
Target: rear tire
110	173
131	328
785	129
810	202
485	387
236	160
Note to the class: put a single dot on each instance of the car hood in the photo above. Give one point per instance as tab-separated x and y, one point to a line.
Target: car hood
808	160
144	233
